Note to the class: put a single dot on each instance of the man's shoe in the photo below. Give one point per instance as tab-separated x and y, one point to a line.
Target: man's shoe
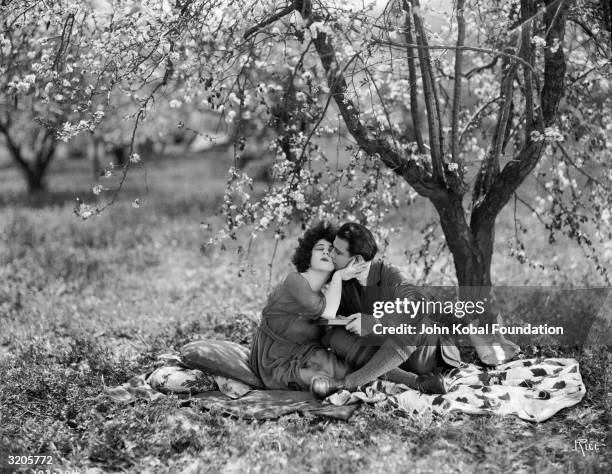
323	386
432	384
494	350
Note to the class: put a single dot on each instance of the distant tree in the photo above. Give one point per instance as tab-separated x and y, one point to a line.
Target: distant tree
65	64
44	69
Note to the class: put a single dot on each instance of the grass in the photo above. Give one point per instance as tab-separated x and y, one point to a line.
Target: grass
84	305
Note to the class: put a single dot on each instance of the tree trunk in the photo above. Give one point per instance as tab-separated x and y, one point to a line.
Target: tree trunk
120	155
37	170
34	171
472	250
95	152
36	182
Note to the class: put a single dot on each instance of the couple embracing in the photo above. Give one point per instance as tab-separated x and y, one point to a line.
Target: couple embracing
337	276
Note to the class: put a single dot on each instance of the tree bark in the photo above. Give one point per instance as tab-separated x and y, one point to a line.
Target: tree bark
36	183
472	249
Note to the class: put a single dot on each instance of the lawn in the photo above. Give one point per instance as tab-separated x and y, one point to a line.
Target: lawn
87	304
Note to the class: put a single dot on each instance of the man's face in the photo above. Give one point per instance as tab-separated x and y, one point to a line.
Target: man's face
341	254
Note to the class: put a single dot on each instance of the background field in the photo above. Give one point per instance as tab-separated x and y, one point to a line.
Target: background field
87	304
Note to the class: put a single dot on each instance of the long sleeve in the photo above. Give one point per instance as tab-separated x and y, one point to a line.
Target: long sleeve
310	304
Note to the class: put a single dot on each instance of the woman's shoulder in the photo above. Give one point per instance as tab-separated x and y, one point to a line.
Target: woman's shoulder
295	280
293	277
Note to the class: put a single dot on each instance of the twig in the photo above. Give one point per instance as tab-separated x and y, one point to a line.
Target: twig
271	264
254	29
368	73
478	69
589	33
480	110
568	158
463	48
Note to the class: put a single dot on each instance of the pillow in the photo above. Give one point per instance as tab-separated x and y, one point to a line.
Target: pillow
220	358
172	379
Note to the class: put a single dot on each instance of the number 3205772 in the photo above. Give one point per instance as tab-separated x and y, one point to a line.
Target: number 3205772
21	460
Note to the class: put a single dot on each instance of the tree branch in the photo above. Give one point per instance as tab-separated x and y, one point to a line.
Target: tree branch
582	171
412	79
410	170
589	33
489	170
474	117
554	59
478	69
431	99
463	48
515	171
277	16
527	12
457	85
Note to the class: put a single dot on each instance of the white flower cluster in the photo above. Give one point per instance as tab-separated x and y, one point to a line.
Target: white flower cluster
22	85
85	211
551	134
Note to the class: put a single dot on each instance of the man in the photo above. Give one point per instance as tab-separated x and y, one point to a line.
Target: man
401	360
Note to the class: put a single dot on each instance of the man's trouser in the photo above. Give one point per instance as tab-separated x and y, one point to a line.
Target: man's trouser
421	354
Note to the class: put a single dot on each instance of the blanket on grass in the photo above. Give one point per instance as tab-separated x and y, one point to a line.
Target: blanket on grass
221	393
532	389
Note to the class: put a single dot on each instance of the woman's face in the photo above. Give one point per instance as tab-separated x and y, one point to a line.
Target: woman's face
321	258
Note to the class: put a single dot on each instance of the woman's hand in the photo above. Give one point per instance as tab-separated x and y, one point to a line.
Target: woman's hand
352	270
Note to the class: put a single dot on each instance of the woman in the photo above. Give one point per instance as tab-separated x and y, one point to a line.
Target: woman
286	353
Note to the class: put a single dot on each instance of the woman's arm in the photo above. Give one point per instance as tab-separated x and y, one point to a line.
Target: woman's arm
334	289
332	296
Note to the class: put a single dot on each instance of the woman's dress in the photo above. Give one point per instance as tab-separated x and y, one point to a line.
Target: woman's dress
286	352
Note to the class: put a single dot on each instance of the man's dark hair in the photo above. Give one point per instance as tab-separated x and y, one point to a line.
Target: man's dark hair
303	252
360	240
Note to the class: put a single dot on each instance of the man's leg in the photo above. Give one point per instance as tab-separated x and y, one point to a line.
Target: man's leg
433	350
348	346
321	362
388	360
370	362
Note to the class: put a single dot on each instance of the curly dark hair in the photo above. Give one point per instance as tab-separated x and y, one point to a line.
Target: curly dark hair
303	252
360	240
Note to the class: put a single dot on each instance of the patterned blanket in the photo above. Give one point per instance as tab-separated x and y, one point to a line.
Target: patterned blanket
532	389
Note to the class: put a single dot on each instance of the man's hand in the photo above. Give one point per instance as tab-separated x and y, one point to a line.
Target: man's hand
355	325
